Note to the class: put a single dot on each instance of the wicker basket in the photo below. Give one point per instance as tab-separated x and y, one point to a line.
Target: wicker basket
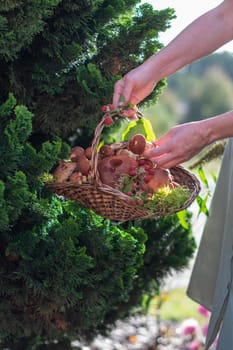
112	203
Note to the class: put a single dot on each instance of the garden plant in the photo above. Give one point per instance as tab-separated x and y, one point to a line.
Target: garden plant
65	272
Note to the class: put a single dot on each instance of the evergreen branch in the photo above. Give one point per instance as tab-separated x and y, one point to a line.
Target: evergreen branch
214	152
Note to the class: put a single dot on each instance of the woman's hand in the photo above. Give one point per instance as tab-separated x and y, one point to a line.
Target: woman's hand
135	85
179	144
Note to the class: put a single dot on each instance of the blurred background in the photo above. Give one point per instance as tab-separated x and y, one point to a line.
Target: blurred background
68	274
200	90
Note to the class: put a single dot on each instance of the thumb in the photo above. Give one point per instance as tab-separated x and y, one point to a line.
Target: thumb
155	151
161	146
116	94
123	88
125	95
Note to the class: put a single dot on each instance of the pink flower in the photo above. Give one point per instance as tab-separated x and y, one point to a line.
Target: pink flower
203	311
195	345
189	326
205	329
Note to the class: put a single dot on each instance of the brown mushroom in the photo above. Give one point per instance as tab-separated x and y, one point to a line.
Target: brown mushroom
88	152
76	152
137	144
162	177
126	152
83	165
111	168
64	170
106	151
76	176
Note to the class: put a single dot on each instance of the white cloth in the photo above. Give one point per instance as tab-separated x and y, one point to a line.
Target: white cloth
210	283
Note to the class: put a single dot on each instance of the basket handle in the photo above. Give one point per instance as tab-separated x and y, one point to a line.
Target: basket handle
118	112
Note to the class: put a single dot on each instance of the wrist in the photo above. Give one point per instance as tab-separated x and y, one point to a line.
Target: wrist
164	63
156	68
218	127
207	130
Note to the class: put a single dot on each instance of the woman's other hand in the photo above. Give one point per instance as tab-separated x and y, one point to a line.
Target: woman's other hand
179	144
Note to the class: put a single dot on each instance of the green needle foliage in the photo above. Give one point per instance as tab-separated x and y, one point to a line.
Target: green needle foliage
61	58
62	267
65	272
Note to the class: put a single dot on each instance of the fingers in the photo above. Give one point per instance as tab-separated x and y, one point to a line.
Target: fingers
125	87
121	88
161	146
134	99
168	161
156	151
167	158
164	156
117	92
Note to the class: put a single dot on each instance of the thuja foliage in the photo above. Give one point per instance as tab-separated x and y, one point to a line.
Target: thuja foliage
64	271
61	58
62	267
168	248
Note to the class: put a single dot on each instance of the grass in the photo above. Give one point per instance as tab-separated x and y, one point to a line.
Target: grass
175	306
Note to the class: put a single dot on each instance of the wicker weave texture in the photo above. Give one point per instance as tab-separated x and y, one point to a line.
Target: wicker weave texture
113	205
110	202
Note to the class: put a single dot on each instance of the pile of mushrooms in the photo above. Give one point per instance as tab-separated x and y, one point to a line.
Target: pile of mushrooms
115	165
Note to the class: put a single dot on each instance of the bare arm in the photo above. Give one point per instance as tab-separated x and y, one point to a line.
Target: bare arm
184	141
203	36
200	38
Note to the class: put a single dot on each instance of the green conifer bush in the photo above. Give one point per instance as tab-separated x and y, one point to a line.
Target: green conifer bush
62	267
61	58
65	272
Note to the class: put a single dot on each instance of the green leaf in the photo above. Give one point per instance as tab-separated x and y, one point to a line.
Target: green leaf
214	177
101	143
149	133
130	130
202	205
182	216
140	126
203	178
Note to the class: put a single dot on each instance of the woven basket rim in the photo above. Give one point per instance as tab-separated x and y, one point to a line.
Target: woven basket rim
116	198
63	189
